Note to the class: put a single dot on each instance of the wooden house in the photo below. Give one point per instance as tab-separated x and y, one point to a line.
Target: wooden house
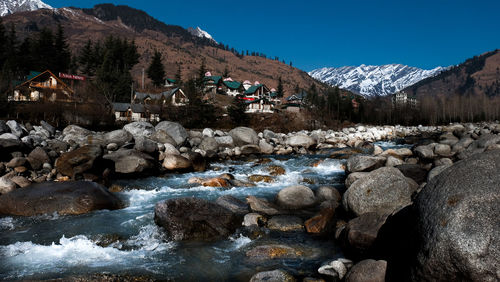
127	112
175	97
40	87
210	83
229	87
257	99
170	82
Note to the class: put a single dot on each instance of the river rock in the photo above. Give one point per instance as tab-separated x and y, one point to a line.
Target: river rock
145	145
120	137
209	144
21	181
6	185
57	145
277	275
425	152
51	129
382	190
216	182
320	222
276	170
359	163
37	158
285	223
195	219
261	178
442	150
367	271
75	133
176	162
16	128
253	220
129	161
15	162
361	232
413	171
3	127
337	268
436	171
393	161
273	251
250	149
244	136
170	149
265	147
296	197
479	145
262	206
233	204
225	141
175	130
161	136
352	177
458	222
140	128
78	161
300	140
62	197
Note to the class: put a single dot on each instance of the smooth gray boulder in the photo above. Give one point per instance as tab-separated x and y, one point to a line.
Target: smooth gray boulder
75	134
130	161
295	197
16	129
233	204
383	191
209	144
459	224
175	130
368	270
120	137
225	141
140	128
300	140
277	275
62	197
359	163
47	126
425	152
161	136
176	162
244	136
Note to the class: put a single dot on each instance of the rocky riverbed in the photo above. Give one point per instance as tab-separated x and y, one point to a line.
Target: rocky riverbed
377	203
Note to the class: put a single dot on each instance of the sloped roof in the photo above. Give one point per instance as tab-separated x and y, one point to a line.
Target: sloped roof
232	84
171	80
214	78
121	107
33	76
252	89
170	93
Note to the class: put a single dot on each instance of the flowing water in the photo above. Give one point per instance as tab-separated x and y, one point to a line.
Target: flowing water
127	241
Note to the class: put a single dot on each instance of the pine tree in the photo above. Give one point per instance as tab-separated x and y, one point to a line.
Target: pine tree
63	55
201	75
178	75
3	43
86	59
44	50
279	90
236	111
156	70
226	72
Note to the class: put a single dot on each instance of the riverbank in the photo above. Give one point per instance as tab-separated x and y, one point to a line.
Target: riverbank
374	201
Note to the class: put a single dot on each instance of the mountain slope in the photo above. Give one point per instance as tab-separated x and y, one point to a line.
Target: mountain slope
479	75
198	32
177	45
371	81
12	6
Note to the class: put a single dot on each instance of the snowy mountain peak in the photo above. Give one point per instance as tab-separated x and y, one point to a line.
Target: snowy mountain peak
12	6
369	80
200	33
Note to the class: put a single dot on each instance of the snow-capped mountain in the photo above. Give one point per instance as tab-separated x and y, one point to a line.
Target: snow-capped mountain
200	33
11	6
371	81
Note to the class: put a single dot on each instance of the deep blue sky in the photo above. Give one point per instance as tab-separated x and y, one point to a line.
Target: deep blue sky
316	33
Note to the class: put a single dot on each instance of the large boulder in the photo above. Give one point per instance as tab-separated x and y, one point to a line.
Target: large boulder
140	128
233	204
209	144
176	163
145	145
16	129
277	275
130	161
458	222
244	136
174	129
75	133
295	197
120	137
47	126
62	197
78	161
358	163
383	190
368	270
161	136
195	219
301	140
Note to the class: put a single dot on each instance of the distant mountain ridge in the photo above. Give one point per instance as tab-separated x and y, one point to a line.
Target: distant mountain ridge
198	32
12	6
370	80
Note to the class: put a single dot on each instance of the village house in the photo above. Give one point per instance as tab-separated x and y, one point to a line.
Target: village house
258	99
170	83
211	83
127	112
229	87
295	102
41	87
175	97
402	99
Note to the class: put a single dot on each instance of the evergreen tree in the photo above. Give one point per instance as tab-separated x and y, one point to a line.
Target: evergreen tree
178	75
86	59
279	90
201	75
156	70
3	43
44	51
226	72
62	60
236	111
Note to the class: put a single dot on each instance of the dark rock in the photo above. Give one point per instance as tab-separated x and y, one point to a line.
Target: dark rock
326	193
3	127
262	206
198	161
120	137
78	161
458	222
367	271
250	149
233	204
195	219
15	162
37	158
140	128
161	136
16	128
320	222
45	125
57	145
62	197
285	223
361	232
209	144
276	170
145	145
359	163
413	171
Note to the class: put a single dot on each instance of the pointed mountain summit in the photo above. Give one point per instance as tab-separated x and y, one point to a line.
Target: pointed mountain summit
372	81
198	32
8	7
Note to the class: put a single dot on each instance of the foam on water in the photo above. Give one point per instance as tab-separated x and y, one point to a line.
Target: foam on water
7	223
